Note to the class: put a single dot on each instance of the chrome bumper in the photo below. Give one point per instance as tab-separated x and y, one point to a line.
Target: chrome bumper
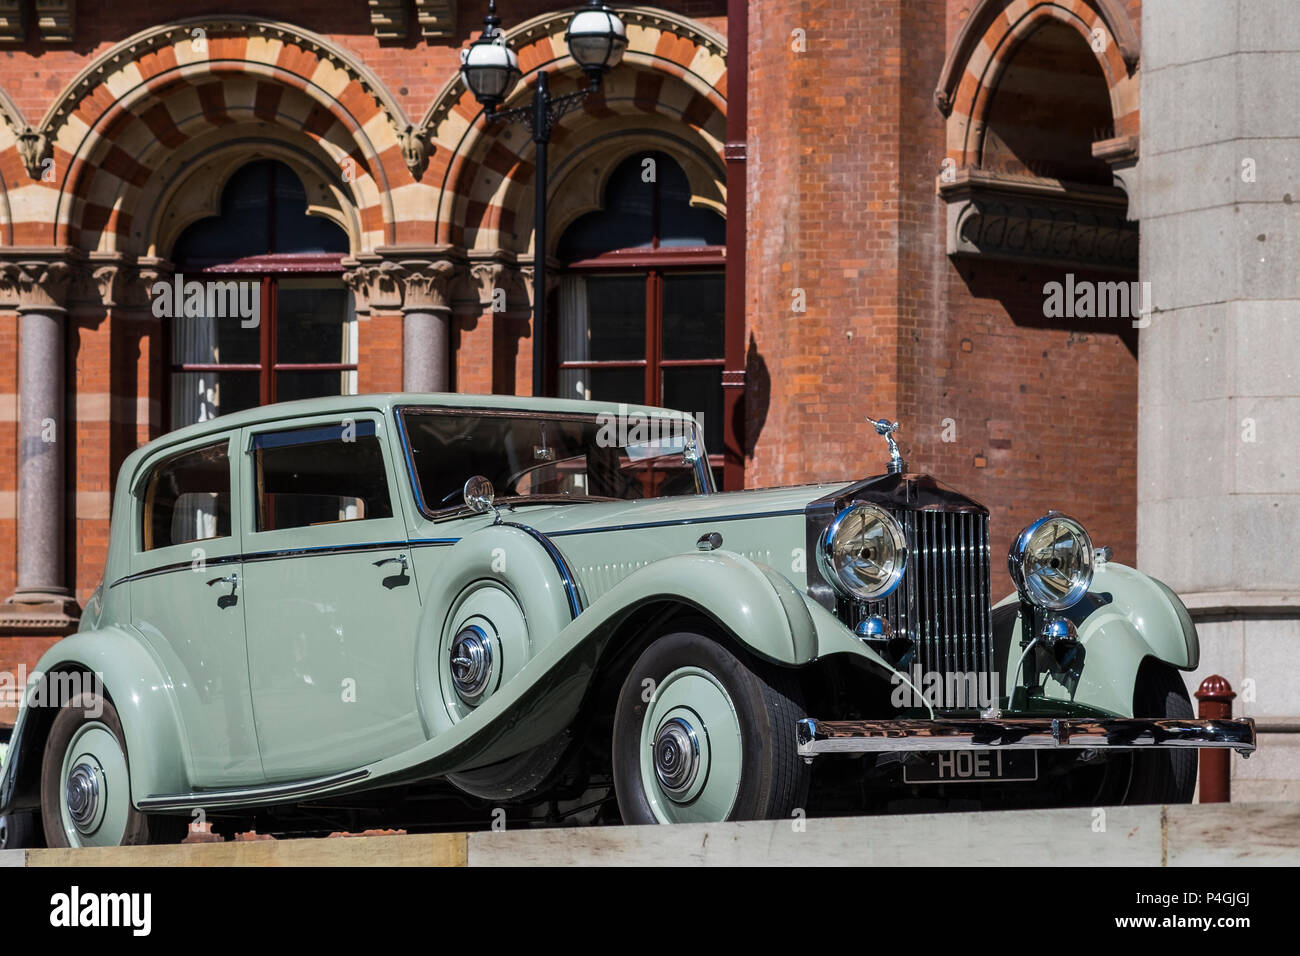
1020	733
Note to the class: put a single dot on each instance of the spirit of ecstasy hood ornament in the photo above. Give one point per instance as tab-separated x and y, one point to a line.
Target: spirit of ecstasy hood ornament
884	428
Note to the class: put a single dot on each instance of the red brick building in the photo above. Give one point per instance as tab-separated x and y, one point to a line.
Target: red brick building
854	210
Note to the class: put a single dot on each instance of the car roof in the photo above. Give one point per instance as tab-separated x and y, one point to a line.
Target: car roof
384	402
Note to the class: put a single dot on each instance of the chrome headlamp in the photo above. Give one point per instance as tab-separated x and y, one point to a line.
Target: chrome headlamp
863	553
1051	562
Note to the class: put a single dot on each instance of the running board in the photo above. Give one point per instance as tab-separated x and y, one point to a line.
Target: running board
270	794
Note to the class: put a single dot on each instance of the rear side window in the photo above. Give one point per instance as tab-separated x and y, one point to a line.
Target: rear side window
320	475
187	498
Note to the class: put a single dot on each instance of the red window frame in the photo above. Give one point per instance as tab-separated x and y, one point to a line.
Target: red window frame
265	270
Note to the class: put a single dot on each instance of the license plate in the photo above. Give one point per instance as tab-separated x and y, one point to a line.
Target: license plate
972	766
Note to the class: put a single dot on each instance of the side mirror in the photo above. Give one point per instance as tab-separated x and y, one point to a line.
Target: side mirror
479	494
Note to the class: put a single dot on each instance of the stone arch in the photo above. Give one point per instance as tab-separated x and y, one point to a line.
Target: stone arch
190	186
989	40
673	74
113	199
12	128
161	88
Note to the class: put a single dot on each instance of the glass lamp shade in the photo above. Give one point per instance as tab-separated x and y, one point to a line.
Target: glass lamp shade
596	39
489	69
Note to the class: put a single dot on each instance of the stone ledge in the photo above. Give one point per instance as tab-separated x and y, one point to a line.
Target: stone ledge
1246	603
1194	834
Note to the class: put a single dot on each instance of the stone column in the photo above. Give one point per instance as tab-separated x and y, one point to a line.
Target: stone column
416	282
41	594
1219	391
426	325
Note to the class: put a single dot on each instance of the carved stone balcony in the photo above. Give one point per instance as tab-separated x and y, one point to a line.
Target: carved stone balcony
1039	220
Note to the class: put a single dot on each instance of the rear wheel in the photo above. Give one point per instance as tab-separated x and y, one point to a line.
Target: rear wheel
85	782
20	830
702	735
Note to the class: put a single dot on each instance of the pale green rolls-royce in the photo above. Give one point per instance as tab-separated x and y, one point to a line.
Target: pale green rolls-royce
433	611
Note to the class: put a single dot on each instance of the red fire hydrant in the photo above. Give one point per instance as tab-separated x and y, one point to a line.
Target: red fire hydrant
1214	702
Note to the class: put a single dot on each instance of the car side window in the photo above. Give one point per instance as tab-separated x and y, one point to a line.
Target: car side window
322	474
187	498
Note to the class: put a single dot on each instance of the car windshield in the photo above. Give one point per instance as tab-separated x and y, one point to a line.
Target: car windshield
552	457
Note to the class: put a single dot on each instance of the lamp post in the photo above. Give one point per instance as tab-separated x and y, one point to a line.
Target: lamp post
596	39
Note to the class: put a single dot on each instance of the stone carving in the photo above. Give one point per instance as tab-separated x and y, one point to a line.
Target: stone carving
1039	221
36	285
415	150
393	282
34	149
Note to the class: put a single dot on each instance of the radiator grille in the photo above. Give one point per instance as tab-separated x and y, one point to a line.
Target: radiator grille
943	601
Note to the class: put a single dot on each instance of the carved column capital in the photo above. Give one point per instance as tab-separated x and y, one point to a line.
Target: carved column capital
426	284
552	280
38	284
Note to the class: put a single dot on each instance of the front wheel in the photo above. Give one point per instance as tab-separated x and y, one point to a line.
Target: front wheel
85	782
1161	775
703	735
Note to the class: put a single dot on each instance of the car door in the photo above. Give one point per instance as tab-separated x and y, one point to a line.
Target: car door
187	601
332	605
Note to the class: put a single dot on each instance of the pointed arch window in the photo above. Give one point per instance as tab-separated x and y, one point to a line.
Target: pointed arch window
304	342
641	299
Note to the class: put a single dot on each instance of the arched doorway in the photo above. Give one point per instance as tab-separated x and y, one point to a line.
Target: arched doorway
304	341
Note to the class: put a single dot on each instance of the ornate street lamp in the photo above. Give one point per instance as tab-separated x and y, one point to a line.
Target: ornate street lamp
596	39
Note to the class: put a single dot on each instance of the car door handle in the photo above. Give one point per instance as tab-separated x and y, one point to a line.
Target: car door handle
400	559
231	579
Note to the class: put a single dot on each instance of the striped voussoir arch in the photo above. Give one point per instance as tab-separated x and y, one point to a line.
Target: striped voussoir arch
115	127
672	68
989	39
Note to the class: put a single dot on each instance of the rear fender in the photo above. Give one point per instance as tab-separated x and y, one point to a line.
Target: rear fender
139	688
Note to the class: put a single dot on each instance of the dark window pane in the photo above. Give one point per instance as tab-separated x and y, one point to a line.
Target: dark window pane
312	322
625	222
697	391
214	340
615	318
694	317
295	231
187	498
631	206
313	384
263	210
680	223
615	384
200	396
320	475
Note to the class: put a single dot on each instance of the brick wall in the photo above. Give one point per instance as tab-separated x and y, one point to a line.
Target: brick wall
846	145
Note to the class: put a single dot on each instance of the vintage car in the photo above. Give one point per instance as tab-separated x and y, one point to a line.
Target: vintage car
434	611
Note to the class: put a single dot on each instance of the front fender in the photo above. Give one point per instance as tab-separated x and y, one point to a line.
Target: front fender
1125	618
757	605
139	688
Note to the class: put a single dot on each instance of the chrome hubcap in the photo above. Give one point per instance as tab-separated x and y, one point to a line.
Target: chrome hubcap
471	663
83	795
676	756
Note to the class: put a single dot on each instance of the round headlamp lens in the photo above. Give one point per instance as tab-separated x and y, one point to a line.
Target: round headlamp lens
863	553
1051	562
